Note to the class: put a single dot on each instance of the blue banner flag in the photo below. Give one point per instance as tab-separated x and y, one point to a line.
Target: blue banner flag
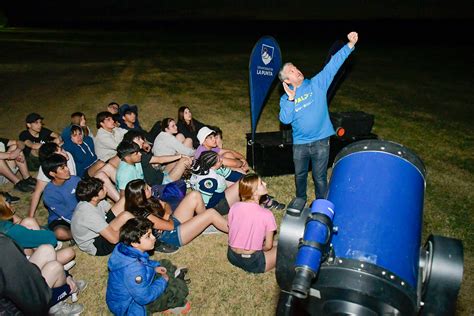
265	63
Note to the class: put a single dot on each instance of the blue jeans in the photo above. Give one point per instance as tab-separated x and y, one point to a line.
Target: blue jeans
317	153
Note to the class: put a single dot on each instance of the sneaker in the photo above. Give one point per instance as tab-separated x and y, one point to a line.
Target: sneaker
165	248
81	285
182	310
23	187
68	266
211	229
10	198
59	245
270	203
63	308
180	273
31	181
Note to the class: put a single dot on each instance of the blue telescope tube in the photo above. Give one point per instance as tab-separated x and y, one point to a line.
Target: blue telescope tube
312	247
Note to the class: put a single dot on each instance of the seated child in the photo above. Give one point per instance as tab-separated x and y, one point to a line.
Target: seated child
251	229
130	167
13	160
137	284
34	137
107	138
96	224
59	195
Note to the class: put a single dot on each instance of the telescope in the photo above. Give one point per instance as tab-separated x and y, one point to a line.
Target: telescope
359	251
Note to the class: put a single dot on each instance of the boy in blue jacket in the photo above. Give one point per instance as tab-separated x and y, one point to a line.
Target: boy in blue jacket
137	284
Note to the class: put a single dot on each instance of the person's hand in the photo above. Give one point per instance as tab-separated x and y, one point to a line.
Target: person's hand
72	284
353	37
291	93
20	159
162	271
146	146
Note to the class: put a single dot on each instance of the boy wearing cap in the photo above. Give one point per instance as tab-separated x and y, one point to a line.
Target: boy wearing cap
129	117
34	136
231	158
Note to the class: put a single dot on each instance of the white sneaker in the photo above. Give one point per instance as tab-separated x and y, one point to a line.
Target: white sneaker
59	245
211	230
68	266
63	309
81	286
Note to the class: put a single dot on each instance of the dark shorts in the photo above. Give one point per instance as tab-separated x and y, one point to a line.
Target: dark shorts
59	222
103	246
33	163
172	237
222	207
254	263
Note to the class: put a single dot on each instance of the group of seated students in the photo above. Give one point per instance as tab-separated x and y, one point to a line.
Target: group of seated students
124	192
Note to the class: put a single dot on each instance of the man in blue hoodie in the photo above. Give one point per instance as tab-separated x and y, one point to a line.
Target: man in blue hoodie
304	106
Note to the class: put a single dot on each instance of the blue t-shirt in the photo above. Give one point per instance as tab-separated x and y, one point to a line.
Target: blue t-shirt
127	173
308	114
61	200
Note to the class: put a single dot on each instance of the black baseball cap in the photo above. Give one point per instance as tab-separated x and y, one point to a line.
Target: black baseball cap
33	117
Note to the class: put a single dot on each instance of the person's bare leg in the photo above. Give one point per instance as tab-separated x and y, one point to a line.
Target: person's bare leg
121	219
42	255
270	258
170	166
232	194
62	233
30	223
110	171
180	137
95	168
188	142
65	255
36	196
119	206
22	166
7	172
178	169
114	161
195	226
53	273
110	187
191	203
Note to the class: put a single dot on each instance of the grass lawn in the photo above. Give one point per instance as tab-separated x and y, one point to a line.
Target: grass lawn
421	97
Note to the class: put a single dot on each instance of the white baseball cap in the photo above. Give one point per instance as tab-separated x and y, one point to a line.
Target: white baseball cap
203	133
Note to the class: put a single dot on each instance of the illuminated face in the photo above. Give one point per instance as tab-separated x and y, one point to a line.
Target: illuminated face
148	191
36	126
130	117
293	75
83	121
139	141
77	138
210	141
113	108
108	124
187	115
172	128
147	242
136	157
62	173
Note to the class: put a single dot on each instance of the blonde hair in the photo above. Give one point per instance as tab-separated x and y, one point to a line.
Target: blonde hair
248	186
6	211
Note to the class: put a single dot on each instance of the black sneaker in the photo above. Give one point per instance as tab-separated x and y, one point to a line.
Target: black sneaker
10	198
31	181
272	204
165	248
22	186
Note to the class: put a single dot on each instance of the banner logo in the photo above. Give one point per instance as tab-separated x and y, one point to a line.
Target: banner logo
267	53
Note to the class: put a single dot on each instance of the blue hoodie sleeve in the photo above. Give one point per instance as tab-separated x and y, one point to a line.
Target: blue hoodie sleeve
324	78
145	291
286	110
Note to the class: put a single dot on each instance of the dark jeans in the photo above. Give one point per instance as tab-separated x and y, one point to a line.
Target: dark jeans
318	154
